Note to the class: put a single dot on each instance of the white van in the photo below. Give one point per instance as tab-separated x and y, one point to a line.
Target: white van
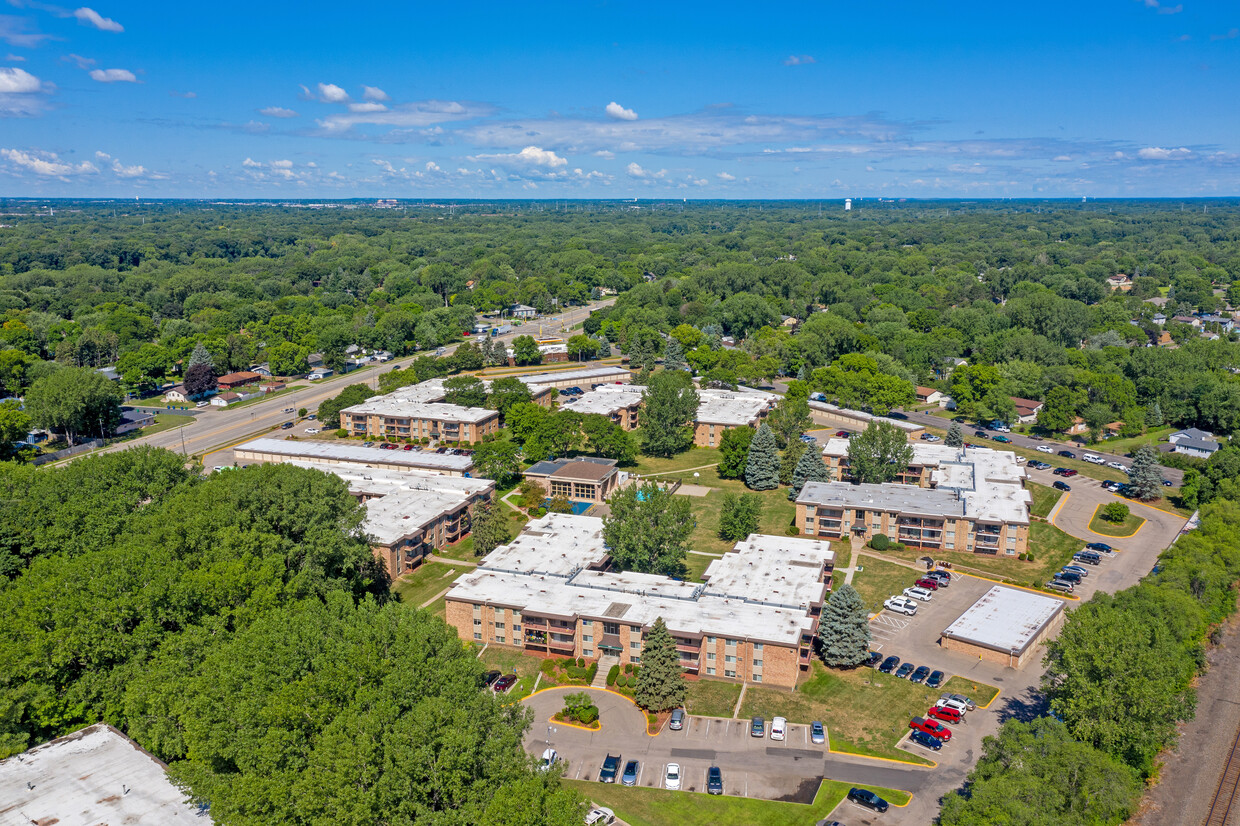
1094	459
779	728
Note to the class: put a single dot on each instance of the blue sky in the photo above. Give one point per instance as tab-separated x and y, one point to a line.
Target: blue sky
617	100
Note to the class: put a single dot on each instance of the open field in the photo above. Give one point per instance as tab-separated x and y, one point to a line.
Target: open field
880	580
693	457
712	698
660	807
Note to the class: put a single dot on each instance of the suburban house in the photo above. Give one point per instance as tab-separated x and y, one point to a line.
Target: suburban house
1078	427
1194	442
272	386
928	395
177	394
1026	409
132	419
584	479
1192	321
230	381
319	373
225	399
1120	282
1159	318
522	311
263	370
1225	322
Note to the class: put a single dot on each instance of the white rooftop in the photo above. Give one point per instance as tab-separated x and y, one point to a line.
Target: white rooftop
1005	619
398	408
732	408
773	570
861	415
92	777
557	545
607	399
606	373
356	454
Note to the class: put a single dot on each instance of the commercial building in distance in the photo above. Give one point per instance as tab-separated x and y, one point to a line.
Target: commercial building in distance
331	456
831	415
718	410
955	499
583	479
1006	626
550	591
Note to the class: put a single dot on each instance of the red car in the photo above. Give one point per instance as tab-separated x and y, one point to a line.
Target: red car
947	715
931	727
927	583
504	683
408	447
843	434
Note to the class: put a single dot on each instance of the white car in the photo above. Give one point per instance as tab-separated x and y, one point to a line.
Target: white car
549	757
1044	449
201	404
955	705
1118	466
671	779
930	437
779	728
923	594
311	431
901	605
600	816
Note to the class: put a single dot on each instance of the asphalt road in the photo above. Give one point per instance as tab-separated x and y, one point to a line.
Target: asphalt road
213	427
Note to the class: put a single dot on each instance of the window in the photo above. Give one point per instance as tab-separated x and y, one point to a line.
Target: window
729	659
499	638
635	660
634	645
477	621
730	643
611	628
635	629
710	655
564	489
757	663
477	635
587	638
516	629
710	640
710	670
728	673
587	623
757	678
499	626
757	646
587	652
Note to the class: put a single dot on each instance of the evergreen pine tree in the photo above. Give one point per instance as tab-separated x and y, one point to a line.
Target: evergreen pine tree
762	466
802	374
674	356
844	629
661	683
200	356
954	437
1145	477
1155	416
811	468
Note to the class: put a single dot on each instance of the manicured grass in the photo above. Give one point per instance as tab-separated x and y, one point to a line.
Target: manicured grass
1126	528
660	807
513	661
864	711
712	698
880	580
462	549
427	580
697	565
1044	498
267	397
777	511
1130	444
693	457
980	693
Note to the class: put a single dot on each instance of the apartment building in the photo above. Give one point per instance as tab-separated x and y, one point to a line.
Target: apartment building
350	455
551	591
718	410
387	417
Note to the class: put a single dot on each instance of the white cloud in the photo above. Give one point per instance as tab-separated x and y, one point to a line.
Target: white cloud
113	76
14	58
615	110
15	31
79	61
1158	153
406	116
47	164
724	176
636	170
21	93
605	155
251	164
15	81
277	112
281	164
374	93
103	156
529	156
799	60
367	107
1061	158
1231	34
331	93
90	17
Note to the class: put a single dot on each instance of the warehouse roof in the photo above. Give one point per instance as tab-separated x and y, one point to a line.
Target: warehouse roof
355	453
1005	619
608	373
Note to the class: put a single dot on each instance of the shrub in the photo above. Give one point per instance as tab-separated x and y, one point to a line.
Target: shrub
547	667
588	716
612	674
880	542
581	662
628	668
301	413
792	530
1115	512
342	433
592	672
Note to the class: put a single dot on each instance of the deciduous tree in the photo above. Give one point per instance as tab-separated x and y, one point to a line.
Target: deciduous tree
880	453
75	401
734	452
671	404
648	530
467	391
738	515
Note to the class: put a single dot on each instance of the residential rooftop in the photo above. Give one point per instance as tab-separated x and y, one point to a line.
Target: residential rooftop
439	411
1005	619
607	399
355	453
731	408
861	415
596	374
589	468
771	570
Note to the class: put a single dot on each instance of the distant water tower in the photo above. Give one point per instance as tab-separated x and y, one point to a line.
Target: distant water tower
848	204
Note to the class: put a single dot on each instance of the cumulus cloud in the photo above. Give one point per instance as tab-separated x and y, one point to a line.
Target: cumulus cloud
374	93
123	171
113	76
1158	153
250	163
605	154
431	166
799	60
277	112
367	107
529	156
90	17
331	93
21	93
725	176
615	110
46	164
15	81
636	170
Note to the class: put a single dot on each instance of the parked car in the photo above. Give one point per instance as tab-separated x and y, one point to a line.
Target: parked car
875	659
1044	449
757	727
600	816
1060	585
904	670
408	447
1069	576
504	683
549	757
867	798
201	404
952	704
311	431
1076	569
925	740
313	416
677	722
1068	473
1067	454
935	679
947	715
843	434
779	728
920	675
923	594
1059	471
489	678
611	767
1100	547
1118	466
286	426
1036	465
932	727
1003	439
1035	437
889	664
930	437
1166	483
980	434
1113	487
928	583
943	578
714	780
901	605
817	734
629	778
671	780
1088	557
1064	486
969	705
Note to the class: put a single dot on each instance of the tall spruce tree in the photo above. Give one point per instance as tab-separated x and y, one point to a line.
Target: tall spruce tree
1145	477
811	468
200	355
844	629
955	438
674	356
762	466
661	682
1155	416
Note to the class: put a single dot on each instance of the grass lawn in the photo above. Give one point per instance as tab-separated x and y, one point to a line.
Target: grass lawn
865	712
697	565
660	807
1051	549
462	549
1130	444
777	511
712	698
427	580
693	457
513	661
266	396
1044	498
1126	528
880	580
980	693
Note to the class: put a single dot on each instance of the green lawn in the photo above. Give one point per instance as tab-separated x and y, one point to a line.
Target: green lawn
697	565
1130	444
461	549
660	807
266	396
880	580
865	712
1044	498
777	511
427	580
693	457
1126	528
712	698
513	661
980	693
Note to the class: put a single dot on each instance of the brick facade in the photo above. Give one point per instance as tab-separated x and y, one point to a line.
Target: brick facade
411	427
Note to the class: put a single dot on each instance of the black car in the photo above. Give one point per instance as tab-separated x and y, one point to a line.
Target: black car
867	798
1099	546
1035	437
1064	486
1067	454
286	425
490	677
920	675
875	659
923	739
903	671
980	434
935	679
889	664
714	780
1069	576
611	766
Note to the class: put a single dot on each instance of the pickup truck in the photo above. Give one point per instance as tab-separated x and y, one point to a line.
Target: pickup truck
611	768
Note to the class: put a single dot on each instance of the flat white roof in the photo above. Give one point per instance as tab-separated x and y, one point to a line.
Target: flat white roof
355	453
91	777
862	416
558	544
398	408
1005	619
733	408
772	570
606	399
606	373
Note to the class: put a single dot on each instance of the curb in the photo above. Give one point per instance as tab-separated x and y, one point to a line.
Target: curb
1144	522
591	688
